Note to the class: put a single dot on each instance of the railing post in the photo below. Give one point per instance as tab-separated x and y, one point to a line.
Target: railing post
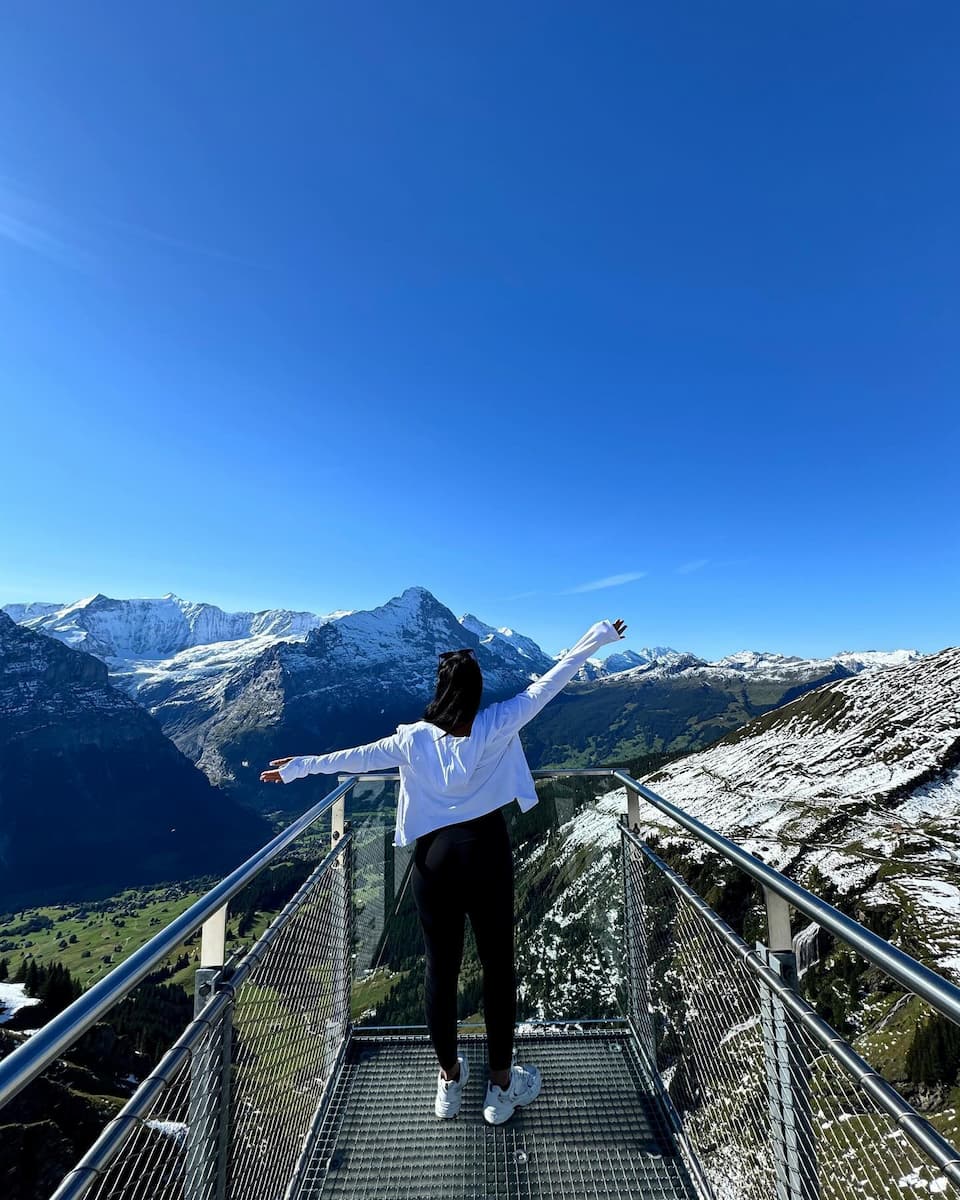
341	905
633	810
389	874
788	1084
208	1133
779	937
213	938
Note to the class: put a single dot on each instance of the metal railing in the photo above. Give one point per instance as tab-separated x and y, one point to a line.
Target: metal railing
914	976
766	1099
229	1109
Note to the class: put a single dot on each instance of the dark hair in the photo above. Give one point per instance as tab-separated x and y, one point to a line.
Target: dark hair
459	686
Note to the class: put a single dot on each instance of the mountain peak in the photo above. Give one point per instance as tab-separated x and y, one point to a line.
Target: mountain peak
411	599
88	603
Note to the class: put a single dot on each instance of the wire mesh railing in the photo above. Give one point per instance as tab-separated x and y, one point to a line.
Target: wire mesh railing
160	1143
291	1017
229	1109
768	1099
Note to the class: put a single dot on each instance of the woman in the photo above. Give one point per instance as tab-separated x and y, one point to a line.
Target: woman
458	767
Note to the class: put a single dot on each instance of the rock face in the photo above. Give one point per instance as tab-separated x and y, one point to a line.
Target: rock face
93	796
860	779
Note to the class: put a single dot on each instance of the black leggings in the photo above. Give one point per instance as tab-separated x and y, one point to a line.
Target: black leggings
467	870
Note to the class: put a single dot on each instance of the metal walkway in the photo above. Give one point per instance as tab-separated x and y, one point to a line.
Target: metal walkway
596	1130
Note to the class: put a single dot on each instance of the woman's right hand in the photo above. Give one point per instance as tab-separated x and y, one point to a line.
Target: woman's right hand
620	627
274	776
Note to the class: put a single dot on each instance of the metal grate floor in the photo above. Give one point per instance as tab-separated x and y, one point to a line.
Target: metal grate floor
596	1130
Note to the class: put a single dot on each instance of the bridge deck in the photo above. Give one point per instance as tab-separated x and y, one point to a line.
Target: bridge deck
596	1130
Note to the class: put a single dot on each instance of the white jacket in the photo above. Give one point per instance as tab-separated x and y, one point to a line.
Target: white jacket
446	779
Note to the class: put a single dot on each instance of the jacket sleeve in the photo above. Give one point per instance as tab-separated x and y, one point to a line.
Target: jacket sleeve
511	715
374	756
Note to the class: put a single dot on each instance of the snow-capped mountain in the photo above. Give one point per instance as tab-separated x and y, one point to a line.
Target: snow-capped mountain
661	661
677	703
625	660
27	612
140	638
119	631
526	647
859	779
629	660
868	739
781	666
212	677
755	664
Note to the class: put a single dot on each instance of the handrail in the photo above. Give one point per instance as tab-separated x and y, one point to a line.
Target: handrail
561	773
48	1043
548	773
939	993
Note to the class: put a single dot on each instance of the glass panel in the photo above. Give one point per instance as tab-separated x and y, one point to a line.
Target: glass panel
568	903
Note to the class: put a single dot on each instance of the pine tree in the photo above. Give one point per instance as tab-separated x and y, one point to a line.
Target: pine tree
32	978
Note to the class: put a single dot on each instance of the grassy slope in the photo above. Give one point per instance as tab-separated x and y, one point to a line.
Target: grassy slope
129	920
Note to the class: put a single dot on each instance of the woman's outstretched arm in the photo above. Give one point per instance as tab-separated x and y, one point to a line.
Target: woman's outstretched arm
509	716
374	756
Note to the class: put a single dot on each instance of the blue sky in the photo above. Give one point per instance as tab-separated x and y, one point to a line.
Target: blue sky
561	311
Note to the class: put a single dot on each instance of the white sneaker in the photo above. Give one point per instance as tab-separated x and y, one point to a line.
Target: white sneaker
450	1091
500	1103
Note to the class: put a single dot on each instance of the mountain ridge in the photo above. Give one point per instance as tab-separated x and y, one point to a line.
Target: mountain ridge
102	626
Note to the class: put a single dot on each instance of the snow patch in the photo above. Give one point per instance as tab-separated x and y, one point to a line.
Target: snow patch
13	997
